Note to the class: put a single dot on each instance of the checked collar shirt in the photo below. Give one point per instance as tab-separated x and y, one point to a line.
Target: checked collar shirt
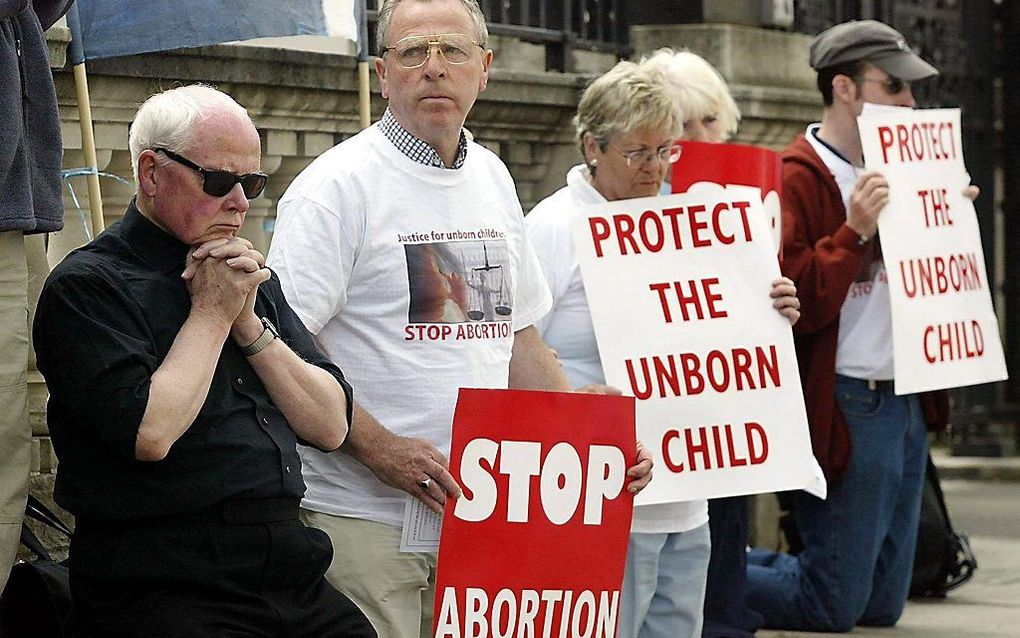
416	149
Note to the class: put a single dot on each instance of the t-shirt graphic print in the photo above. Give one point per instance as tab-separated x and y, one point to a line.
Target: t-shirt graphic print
459	281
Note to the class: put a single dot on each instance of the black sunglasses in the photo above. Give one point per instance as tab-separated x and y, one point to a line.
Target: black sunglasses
892	86
219	183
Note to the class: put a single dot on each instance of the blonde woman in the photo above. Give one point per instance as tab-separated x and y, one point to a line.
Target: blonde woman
628	124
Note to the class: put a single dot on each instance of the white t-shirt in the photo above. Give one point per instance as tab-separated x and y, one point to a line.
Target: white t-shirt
864	349
414	280
568	328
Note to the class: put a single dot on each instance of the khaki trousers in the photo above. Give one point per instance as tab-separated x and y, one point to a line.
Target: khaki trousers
396	591
15	434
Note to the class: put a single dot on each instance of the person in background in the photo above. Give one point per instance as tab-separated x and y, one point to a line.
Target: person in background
710	112
711	115
30	158
628	124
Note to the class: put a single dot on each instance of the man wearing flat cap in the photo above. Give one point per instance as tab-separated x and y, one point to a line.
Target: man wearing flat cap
859	543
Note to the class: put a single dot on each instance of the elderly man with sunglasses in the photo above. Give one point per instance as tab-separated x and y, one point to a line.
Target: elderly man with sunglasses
403	249
858	553
181	384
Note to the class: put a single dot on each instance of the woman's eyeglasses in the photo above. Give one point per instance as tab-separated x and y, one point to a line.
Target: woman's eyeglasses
667	154
219	183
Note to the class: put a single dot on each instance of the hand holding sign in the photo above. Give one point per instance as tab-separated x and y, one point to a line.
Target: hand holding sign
640	474
405	463
869	197
784	294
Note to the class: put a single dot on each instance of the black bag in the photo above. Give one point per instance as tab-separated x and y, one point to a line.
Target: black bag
37	599
943	560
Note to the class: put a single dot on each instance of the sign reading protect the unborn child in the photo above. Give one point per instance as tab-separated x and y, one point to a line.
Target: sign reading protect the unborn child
678	288
945	333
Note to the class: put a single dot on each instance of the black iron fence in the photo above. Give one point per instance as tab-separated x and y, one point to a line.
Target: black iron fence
561	25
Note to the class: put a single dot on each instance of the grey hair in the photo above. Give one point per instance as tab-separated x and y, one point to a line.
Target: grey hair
697	86
167	119
626	98
382	23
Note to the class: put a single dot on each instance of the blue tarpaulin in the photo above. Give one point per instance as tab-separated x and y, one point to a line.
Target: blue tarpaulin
110	28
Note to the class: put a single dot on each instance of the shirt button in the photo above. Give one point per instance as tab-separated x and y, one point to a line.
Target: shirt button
240	381
287	469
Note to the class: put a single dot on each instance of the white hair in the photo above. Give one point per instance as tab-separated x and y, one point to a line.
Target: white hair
167	119
382	23
697	86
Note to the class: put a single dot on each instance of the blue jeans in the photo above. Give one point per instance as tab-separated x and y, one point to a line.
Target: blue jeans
859	543
664	585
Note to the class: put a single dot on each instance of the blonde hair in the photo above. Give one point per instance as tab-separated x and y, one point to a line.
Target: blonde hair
696	85
625	99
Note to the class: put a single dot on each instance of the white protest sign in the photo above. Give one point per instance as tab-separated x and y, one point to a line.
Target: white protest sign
678	288
945	333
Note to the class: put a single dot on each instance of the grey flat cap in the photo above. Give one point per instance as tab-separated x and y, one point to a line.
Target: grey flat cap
872	41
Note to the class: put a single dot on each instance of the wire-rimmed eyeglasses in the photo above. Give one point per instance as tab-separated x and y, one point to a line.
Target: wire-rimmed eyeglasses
668	153
414	50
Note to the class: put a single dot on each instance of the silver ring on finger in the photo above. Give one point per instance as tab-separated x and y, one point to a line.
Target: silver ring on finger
424	483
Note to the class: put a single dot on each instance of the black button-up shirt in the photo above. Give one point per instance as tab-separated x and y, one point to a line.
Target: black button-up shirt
106	319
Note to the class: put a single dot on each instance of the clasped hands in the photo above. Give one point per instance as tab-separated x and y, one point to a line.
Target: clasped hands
223	276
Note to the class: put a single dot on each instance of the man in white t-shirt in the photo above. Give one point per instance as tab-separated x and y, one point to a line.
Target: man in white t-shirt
859	543
403	250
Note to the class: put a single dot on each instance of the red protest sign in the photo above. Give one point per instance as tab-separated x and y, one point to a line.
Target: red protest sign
537	543
735	164
727	164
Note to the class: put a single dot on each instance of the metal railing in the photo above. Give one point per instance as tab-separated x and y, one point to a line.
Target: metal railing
561	25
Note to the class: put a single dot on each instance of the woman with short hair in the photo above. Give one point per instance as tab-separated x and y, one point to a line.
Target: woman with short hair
628	125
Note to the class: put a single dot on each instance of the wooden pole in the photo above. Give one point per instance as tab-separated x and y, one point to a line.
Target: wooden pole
364	95
88	147
364	83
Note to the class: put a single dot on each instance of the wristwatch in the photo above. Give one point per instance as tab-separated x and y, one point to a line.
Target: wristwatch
268	335
862	239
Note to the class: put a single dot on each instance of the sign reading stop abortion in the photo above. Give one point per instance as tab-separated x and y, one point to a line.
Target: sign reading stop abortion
537	543
945	333
678	289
